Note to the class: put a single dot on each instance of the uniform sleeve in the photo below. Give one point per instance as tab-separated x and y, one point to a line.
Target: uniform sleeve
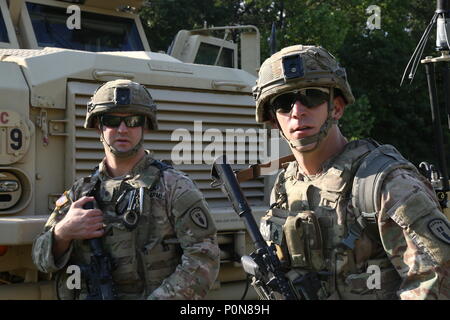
42	251
197	234
416	236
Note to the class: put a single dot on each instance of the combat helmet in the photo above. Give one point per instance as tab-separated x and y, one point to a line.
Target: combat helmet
297	67
123	96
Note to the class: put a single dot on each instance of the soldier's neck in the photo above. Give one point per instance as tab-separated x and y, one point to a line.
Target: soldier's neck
120	166
311	162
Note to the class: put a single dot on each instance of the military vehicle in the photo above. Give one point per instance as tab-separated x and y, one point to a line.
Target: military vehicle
53	55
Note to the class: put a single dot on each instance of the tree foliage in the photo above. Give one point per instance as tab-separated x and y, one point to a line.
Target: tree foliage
374	59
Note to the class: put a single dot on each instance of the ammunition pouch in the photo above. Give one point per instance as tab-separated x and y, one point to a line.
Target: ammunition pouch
297	237
298	240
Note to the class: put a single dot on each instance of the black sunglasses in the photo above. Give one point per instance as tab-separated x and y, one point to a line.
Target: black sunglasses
115	121
308	97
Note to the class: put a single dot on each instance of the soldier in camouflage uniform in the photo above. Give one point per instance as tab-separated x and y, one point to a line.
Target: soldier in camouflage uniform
169	250
319	221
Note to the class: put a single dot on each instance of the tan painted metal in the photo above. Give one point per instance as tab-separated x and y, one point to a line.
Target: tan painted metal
19	230
187	44
43	290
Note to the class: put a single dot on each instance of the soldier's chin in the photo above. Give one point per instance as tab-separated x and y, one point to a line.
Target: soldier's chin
123	154
123	149
124	146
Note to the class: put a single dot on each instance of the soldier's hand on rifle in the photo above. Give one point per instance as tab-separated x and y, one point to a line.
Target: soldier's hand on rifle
79	223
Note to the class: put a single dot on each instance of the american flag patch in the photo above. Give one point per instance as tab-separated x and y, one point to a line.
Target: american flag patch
62	200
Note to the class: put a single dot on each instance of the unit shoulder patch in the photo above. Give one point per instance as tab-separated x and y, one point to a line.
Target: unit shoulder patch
441	229
198	217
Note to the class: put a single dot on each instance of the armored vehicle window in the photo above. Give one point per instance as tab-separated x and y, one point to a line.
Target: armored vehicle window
207	54
97	32
3	31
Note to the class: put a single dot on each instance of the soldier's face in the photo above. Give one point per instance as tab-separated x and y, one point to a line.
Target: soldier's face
302	121
122	138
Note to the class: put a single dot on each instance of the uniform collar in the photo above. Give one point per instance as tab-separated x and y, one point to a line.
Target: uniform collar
335	161
138	168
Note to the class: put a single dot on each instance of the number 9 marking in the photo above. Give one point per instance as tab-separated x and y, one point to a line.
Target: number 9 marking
16	137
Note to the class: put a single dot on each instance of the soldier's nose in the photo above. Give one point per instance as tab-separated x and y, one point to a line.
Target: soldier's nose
298	109
122	127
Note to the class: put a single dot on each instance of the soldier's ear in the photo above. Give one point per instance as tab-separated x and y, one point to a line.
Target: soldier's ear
273	120
97	125
339	107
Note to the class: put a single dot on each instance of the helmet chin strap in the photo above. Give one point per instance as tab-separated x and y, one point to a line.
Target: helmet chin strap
318	137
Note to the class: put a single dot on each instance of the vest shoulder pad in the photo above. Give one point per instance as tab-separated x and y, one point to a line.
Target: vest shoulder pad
369	177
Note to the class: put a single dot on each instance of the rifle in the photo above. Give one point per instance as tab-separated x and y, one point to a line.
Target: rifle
263	264
98	274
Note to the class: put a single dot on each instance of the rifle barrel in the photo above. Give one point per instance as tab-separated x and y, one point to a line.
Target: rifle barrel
222	170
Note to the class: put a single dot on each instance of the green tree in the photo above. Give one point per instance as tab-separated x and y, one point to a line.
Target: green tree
374	59
162	19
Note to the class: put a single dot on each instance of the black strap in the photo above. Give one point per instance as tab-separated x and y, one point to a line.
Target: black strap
162	166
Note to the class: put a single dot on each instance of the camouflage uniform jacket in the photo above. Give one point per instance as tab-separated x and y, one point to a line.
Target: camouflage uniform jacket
407	240
171	254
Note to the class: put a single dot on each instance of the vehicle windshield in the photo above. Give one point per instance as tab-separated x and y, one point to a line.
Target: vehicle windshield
98	32
207	54
3	32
